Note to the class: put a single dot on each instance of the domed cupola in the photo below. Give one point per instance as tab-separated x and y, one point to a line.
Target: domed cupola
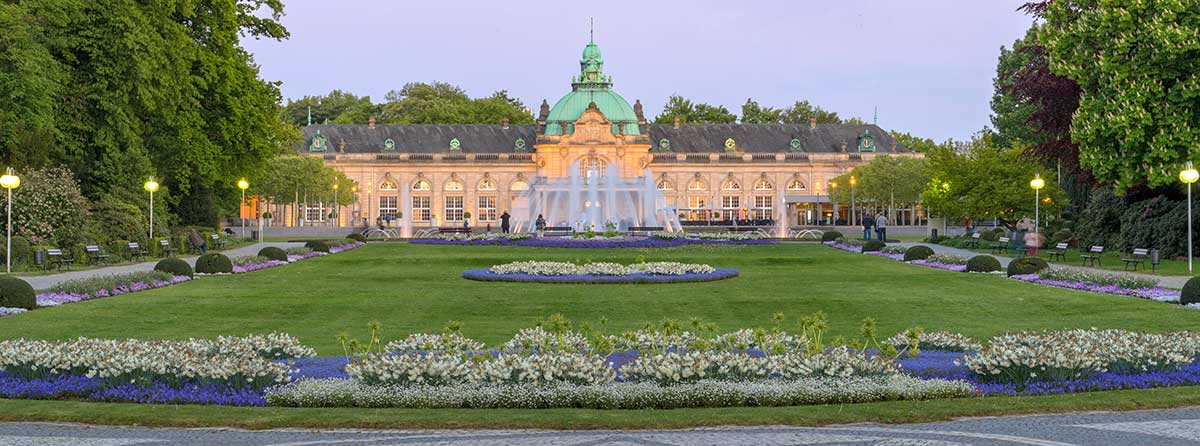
591	86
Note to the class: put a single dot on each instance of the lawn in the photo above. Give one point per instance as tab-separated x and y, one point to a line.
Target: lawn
1110	260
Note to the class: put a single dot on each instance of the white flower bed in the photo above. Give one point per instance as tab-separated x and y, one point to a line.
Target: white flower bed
839	361
938	340
573	368
435	369
443	369
539	340
9	311
603	268
514	236
677	367
668	235
651	340
803	391
1020	357
760	339
448	342
730	236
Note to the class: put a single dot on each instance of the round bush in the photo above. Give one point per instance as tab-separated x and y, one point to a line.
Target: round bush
357	236
873	246
22	251
998	232
177	267
829	236
987	236
317	245
1026	265
17	293
1063	235
983	264
214	263
273	253
1191	292
918	252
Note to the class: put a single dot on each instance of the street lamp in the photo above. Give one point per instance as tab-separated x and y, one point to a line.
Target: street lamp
1037	184
353	205
151	186
1189	175
9	181
243	185
336	207
834	211
853	206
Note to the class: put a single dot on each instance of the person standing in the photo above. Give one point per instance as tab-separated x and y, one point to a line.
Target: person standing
197	241
881	223
867	224
504	222
540	224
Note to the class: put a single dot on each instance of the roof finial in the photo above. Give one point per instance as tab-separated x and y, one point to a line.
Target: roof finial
310	115
591	29
876	120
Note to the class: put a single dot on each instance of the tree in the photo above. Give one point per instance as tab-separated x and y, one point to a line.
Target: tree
693	113
884	182
443	103
331	107
752	113
1011	111
914	143
1134	63
802	112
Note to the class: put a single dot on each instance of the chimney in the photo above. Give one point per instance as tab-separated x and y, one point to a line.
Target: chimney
842	147
812	122
504	123
677	122
371	122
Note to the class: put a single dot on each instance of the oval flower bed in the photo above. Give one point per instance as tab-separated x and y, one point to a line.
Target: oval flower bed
561	272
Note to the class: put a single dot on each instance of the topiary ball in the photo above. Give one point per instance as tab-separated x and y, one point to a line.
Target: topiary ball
273	253
830	236
17	293
1026	265
317	245
214	263
1191	292
918	252
358	237
988	236
177	267
983	264
873	246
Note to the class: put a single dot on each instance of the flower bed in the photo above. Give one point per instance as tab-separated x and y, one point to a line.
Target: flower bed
842	245
1102	283
598	242
77	290
561	272
253	263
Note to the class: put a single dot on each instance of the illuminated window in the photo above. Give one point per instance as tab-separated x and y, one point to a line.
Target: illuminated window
519	186
763	207
454	186
796	185
387	185
487	185
697	185
487	208
763	185
665	185
731	185
421	186
454	208
420	208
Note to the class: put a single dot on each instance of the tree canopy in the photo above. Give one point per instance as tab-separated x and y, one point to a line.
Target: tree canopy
693	113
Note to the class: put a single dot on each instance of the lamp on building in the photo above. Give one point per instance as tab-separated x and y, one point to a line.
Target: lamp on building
1188	176
1037	184
9	181
151	186
243	185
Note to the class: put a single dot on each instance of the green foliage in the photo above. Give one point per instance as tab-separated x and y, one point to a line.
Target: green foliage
48	207
22	250
1010	111
273	253
174	266
979	180
16	293
693	113
873	245
798	113
1063	236
886	180
1191	292
987	235
337	107
357	236
442	103
915	143
317	245
983	264
1026	265
214	263
917	252
829	236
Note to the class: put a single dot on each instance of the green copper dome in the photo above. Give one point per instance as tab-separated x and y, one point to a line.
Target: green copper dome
592	86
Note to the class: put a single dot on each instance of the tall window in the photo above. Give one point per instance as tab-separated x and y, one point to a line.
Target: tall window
591	168
454	208
729	207
315	213
696	208
763	205
420	208
387	207
487	208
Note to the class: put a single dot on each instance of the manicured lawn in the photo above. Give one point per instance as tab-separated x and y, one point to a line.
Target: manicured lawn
1111	260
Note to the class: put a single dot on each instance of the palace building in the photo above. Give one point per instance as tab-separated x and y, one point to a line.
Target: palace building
431	175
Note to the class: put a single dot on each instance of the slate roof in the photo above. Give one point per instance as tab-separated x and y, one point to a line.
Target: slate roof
689	138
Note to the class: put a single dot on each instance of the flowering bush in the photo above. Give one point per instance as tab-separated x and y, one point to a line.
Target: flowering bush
948	259
246	264
679	367
442	369
606	269
839	361
449	342
668	235
734	236
1155	293
543	369
759	339
435	369
937	340
651	340
537	339
1093	278
72	291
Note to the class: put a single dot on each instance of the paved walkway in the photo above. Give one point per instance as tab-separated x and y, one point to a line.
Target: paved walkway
1175	282
1160	427
47	281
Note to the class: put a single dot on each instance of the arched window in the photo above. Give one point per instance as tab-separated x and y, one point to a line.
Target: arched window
454	186
387	185
666	185
731	185
763	185
697	185
421	186
796	184
518	186
487	185
591	167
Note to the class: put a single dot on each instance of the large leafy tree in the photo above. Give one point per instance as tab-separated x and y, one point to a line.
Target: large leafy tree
1139	109
752	113
802	112
693	113
443	103
336	106
884	182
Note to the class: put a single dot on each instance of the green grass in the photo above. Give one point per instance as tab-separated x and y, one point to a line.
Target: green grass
416	288
1111	260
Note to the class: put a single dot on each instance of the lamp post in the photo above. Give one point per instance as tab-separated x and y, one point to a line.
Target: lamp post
853	205
353	205
151	186
1189	175
833	215
243	185
9	181
336	207
1037	184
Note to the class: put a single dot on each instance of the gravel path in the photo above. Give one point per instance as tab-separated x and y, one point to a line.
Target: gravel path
1159	427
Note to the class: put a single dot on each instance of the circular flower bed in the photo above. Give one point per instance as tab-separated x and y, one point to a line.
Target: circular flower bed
560	272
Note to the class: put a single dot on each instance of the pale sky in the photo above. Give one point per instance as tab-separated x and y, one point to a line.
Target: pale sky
926	64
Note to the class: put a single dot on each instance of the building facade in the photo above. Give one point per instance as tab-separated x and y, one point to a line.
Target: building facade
435	174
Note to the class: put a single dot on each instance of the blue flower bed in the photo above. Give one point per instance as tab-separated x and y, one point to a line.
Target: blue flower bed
94	389
487	275
563	242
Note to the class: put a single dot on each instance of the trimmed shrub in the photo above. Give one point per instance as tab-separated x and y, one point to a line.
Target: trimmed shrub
983	264
998	232
1063	235
174	266
919	252
273	253
1191	292
357	236
1026	265
829	236
873	246
213	263
987	235
17	293
317	245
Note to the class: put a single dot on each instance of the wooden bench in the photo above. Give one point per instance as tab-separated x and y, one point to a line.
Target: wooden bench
973	243
167	250
1059	252
58	258
557	231
645	229
1000	245
95	255
453	230
1092	258
136	251
217	242
1138	257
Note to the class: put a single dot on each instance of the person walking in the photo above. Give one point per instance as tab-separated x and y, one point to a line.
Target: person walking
881	223
867	224
197	241
504	222
540	224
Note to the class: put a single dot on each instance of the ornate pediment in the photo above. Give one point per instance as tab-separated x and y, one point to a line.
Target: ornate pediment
592	128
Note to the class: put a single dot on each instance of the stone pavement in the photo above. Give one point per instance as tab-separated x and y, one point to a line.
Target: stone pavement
1175	282
1158	427
47	281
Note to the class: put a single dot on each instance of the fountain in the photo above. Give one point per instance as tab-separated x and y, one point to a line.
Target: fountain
593	200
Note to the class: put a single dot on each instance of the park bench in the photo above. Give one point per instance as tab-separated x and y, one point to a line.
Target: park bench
1138	257
973	243
647	230
1059	252
218	242
95	255
167	250
1092	258
58	258
453	230
136	251
1000	245
557	231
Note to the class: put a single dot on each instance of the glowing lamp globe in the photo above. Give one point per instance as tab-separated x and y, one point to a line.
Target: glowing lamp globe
10	180
151	185
243	184
1037	183
1189	175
